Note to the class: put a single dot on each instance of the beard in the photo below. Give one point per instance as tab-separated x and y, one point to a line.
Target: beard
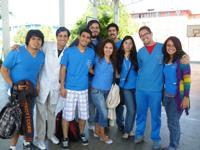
94	36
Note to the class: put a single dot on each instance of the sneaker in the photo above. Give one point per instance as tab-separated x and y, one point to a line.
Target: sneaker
125	136
95	135
139	140
12	148
54	139
40	144
65	144
91	127
107	141
27	146
156	145
84	140
132	133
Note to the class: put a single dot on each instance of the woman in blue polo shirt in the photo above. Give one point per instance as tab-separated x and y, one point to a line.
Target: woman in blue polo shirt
127	68
104	70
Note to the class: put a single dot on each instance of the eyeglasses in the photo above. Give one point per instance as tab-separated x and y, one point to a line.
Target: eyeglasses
142	35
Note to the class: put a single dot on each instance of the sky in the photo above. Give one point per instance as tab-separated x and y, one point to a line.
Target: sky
46	11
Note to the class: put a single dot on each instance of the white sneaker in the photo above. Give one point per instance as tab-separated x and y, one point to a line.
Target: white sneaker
12	148
40	144
125	136
95	135
132	133
54	139
91	127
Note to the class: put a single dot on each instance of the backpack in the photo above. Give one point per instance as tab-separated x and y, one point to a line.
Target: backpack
10	120
73	132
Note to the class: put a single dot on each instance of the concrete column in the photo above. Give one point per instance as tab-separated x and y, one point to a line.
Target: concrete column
94	9
61	12
5	26
116	11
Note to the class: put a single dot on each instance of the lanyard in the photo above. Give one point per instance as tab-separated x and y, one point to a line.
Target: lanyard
127	64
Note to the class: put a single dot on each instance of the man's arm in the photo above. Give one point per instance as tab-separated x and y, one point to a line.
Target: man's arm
63	69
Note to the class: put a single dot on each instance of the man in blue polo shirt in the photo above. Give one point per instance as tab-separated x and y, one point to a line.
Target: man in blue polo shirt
149	87
113	31
75	65
24	64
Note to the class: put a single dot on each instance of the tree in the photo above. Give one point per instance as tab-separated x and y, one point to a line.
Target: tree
19	38
46	30
48	33
105	15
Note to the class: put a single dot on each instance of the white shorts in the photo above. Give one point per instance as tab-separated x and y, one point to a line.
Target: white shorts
70	104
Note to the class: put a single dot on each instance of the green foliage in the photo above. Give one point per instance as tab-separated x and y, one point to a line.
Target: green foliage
19	38
105	16
80	24
49	35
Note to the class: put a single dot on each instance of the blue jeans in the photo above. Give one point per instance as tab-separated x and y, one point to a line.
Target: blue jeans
173	117
91	118
145	99
99	100
130	103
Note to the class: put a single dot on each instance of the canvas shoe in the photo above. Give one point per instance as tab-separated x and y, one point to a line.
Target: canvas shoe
27	145
84	140
132	133
125	136
139	140
54	139
65	144
40	144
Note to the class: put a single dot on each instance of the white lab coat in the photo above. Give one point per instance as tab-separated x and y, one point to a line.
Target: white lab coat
49	75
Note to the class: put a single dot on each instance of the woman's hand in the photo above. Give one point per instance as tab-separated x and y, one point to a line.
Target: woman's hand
185	102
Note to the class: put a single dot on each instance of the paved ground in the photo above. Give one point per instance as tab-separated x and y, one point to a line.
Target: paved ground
190	137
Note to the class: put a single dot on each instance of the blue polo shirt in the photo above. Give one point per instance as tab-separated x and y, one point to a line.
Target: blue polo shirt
78	65
23	66
103	74
131	78
118	44
150	74
170	78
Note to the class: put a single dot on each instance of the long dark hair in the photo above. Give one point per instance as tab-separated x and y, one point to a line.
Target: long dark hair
179	51
132	57
100	52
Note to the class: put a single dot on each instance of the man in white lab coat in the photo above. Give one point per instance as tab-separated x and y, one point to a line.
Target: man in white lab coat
49	88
